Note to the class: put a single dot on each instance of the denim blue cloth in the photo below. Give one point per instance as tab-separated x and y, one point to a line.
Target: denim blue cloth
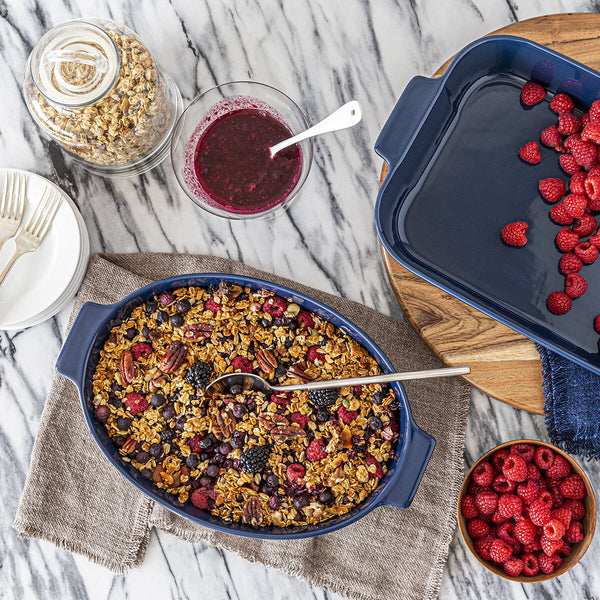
572	404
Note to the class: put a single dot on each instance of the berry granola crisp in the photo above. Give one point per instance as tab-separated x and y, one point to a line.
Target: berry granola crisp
287	460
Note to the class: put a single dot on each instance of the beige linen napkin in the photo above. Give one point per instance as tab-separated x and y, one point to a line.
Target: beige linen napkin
74	499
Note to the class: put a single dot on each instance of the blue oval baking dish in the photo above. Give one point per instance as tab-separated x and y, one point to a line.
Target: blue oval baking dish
79	355
455	180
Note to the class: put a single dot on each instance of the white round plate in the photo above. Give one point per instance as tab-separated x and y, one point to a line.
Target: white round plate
39	279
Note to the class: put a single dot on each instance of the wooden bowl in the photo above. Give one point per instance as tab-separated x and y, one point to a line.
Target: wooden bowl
577	550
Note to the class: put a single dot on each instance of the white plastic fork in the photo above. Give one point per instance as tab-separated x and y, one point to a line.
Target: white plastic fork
32	234
12	205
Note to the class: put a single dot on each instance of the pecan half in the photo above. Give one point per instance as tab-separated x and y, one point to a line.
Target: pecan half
157	382
270	420
197	331
295	372
226	422
266	361
252	512
129	445
174	357
126	367
284	433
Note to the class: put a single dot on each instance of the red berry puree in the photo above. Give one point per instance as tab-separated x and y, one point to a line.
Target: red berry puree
234	167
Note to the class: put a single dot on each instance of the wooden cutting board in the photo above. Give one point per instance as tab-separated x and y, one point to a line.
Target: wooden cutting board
504	364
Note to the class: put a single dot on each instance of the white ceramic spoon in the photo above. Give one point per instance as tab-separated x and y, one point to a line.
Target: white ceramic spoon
346	116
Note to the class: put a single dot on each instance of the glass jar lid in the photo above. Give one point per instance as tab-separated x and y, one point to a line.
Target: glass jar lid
75	64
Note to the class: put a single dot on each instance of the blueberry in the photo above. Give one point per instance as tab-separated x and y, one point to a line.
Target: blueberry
102	413
142	457
203	456
266	322
205	443
166	435
213	471
205	481
183	306
239	410
377	398
177	320
156	450
273	480
180	422
157	400
235	389
145	332
375	423
123	423
225	448
217	459
274	502
114	401
151	307
130	333
300	501
237	441
192	461
280	371
119	440
168	412
326	497
146	473
394	405
162	316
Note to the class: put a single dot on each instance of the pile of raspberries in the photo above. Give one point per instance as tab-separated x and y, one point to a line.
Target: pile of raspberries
577	141
524	509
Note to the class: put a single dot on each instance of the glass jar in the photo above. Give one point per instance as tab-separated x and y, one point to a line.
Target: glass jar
94	88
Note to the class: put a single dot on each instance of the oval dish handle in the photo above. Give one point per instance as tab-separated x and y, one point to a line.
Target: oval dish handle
417	456
406	118
72	357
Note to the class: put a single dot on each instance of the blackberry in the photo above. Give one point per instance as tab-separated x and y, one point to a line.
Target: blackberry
199	375
322	398
255	458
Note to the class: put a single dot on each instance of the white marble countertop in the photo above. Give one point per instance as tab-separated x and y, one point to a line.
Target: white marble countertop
321	53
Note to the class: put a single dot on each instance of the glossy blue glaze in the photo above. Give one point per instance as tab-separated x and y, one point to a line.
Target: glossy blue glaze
77	362
455	180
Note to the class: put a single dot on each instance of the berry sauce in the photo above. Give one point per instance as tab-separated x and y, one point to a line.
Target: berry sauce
233	165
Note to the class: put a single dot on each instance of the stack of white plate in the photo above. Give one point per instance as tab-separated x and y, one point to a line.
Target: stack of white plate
44	281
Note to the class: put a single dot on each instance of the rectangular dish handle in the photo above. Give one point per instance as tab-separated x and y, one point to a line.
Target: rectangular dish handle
72	357
419	448
406	118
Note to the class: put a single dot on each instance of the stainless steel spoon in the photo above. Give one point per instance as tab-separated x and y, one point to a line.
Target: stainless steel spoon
249	381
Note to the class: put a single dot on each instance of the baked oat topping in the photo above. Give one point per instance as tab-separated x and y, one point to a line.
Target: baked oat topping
286	460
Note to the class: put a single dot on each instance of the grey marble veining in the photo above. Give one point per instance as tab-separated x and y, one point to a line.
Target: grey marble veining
321	53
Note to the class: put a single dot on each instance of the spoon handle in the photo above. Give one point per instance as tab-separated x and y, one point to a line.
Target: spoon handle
347	115
386	378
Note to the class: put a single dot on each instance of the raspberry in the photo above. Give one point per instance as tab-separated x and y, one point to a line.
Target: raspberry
499	518
531	566
212	305
586	252
514	233
585	120
299	418
547	498
513	566
575	285
568	124
483	545
510	505
560	467
554	529
371	460
486	502
539	513
525	451
141	350
305	319
201	498
294	472
560	215
528	491
281	398
546	564
314	354
478	528
566	240
499	458
569	263
595	240
532	93
543	457
550	545
585	153
591	133
514	468
575	205
576	183
584	225
483	474
574	533
530	153
557	499
534	546
550	137
473	489
569	164
592	188
275	306
552	189
468	507
594	111
239	363
561	103
347	416
564	515
559	303
503	485
316	450
525	531
500	551
135	403
576	507
571	140
573	487
533	472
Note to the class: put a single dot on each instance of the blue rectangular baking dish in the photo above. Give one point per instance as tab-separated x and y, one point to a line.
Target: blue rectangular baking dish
455	180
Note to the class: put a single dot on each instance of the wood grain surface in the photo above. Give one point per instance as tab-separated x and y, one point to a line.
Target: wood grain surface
504	364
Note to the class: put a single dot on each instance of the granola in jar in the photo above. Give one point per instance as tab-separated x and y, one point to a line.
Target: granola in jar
288	459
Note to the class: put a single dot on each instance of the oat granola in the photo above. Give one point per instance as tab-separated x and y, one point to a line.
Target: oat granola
286	460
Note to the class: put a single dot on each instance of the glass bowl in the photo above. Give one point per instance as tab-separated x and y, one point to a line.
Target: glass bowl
219	150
